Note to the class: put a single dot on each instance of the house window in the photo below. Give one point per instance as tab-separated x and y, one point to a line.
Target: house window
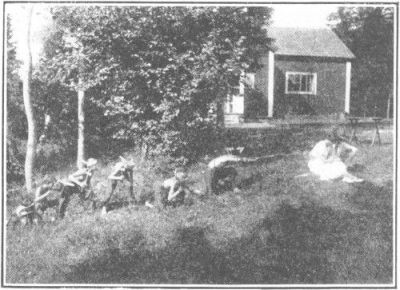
301	83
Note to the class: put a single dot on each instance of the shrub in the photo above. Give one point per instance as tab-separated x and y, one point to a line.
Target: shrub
15	169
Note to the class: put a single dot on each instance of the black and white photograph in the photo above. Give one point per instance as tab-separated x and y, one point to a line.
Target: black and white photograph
199	144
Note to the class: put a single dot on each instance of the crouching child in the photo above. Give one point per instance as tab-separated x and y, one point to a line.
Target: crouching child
23	215
33	212
174	189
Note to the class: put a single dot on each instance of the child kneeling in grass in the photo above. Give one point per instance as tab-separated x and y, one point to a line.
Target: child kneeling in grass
174	189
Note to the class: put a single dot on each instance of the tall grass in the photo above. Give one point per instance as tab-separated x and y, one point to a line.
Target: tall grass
279	229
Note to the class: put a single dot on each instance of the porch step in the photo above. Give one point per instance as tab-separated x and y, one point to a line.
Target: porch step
233	119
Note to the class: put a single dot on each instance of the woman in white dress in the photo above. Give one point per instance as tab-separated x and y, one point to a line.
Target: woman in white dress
328	159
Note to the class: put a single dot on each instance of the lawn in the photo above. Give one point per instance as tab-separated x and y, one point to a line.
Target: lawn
280	229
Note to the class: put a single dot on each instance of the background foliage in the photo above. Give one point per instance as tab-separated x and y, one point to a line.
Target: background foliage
16	126
159	85
155	77
368	32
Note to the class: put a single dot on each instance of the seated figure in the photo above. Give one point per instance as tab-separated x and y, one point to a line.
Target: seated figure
329	159
174	189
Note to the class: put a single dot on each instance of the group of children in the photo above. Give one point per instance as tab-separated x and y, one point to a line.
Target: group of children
329	160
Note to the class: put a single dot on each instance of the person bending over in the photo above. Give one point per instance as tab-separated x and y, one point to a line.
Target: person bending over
123	170
43	197
82	176
78	182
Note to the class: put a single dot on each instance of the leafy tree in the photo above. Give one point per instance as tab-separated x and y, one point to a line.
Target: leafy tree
368	32
15	124
161	73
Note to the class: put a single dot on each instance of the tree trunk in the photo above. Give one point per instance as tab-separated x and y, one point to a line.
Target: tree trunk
81	127
144	151
30	116
365	105
220	113
388	106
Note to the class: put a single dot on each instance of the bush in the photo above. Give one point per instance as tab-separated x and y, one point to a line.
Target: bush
51	157
15	167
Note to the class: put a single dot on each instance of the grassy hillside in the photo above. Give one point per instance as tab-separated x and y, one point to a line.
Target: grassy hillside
279	229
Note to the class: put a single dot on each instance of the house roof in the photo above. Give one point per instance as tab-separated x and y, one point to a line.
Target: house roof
317	42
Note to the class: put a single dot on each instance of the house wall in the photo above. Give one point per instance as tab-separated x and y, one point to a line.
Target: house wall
261	80
331	83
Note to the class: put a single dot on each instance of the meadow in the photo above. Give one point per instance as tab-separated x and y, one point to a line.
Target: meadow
280	229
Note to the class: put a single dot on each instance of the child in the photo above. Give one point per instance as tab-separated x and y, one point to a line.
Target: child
78	182
82	176
24	214
174	189
42	199
122	170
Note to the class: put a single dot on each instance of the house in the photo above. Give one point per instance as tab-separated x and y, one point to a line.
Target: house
307	72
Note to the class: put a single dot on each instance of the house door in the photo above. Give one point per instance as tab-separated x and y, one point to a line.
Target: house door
234	104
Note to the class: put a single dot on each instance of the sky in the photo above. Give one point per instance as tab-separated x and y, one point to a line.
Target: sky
286	15
302	15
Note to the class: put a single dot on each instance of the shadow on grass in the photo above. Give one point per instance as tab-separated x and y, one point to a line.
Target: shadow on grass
116	205
297	244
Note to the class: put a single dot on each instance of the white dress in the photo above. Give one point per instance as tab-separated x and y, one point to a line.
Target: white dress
325	163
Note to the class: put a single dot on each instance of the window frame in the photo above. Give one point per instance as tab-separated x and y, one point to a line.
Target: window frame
313	90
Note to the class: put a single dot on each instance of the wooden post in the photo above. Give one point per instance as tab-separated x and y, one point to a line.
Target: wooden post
353	124
376	121
271	79
347	88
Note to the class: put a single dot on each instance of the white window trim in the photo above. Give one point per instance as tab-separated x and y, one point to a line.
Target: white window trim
314	84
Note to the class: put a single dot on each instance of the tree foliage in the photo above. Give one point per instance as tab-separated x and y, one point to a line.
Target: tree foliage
15	109
368	32
158	74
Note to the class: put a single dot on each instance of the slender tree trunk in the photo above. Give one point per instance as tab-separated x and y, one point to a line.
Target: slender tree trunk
144	151
365	105
388	106
220	113
30	116
81	127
